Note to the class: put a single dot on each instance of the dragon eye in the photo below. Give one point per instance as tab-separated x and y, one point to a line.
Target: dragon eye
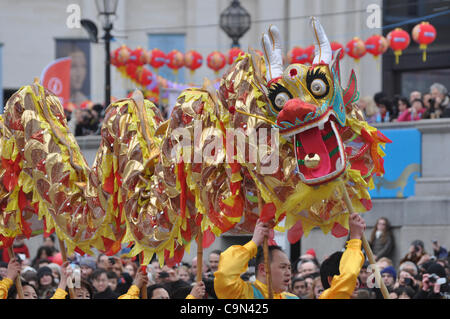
281	99
318	87
278	96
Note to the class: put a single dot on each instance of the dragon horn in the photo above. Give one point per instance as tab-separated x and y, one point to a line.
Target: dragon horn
322	51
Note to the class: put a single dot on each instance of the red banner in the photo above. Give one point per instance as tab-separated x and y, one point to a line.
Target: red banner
56	78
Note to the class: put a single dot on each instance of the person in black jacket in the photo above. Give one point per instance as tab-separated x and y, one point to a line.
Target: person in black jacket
124	280
382	239
99	280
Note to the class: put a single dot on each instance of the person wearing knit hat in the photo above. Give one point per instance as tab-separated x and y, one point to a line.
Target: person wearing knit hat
389	276
87	265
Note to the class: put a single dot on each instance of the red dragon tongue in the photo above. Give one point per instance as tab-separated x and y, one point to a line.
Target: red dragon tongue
313	143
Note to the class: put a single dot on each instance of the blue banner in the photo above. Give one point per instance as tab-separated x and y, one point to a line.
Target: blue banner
401	164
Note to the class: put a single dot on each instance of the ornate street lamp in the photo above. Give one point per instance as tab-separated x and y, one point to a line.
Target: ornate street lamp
235	21
106	9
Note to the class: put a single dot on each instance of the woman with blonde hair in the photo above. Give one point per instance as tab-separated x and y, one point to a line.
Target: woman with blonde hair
370	110
316	288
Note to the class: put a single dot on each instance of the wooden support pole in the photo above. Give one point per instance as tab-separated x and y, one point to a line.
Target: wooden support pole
144	288
199	256
266	253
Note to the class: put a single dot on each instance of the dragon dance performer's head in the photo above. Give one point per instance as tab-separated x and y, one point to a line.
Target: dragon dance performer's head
280	265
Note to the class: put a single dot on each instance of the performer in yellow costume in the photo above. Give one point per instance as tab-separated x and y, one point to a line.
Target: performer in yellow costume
228	283
11	274
340	273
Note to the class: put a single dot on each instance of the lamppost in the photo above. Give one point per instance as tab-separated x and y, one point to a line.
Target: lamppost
235	21
106	9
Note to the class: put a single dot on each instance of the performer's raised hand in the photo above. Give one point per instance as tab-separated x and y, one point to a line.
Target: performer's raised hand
261	230
357	226
141	278
198	291
13	269
66	273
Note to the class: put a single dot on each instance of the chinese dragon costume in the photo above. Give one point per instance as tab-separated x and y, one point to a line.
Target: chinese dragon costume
146	187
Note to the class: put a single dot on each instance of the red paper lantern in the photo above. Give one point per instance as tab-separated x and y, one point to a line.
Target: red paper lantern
296	55
398	41
131	70
309	51
135	56
424	34
233	54
157	59
145	57
143	76
376	45
336	46
175	60
216	61
355	48
120	56
193	60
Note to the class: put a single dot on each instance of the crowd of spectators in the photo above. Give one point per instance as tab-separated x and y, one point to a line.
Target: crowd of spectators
85	119
419	274
419	105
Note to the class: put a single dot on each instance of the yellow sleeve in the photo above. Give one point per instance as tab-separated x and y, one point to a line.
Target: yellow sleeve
59	294
5	284
132	293
232	263
190	297
343	285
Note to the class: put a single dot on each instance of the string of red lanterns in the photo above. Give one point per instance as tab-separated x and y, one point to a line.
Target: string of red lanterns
397	40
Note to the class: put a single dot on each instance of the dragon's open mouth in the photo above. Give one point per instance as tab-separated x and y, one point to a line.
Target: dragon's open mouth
319	150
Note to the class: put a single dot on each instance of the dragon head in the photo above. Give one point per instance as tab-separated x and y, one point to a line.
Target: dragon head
309	105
